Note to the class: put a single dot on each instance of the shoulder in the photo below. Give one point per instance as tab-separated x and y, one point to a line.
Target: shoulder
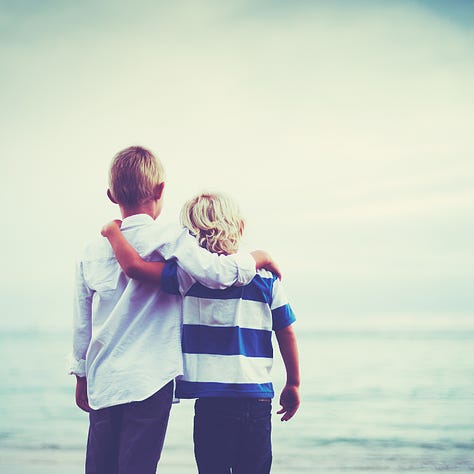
265	278
261	287
96	249
160	236
163	230
265	274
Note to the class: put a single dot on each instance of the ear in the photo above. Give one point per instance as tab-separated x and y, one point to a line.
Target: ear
110	196
242	227
159	191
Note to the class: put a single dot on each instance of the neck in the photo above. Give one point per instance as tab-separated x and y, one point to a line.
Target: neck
146	208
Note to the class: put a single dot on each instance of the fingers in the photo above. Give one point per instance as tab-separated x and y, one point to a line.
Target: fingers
275	269
287	412
110	226
290	402
83	405
82	401
104	230
278	273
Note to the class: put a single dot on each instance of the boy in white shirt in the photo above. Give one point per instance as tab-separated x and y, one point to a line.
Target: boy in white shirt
126	335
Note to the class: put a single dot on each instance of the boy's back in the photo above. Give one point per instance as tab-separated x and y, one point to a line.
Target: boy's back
134	348
129	331
227	335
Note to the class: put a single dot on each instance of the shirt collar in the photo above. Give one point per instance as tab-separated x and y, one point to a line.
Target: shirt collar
136	220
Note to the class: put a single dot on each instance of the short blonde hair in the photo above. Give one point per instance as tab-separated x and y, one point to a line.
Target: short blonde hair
134	174
216	221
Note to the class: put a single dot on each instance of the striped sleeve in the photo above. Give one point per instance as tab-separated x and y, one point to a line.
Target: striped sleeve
282	314
169	278
174	279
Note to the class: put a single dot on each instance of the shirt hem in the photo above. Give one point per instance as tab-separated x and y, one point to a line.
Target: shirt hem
225	394
137	399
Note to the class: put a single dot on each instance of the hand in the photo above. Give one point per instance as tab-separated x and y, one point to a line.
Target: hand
271	266
289	401
263	260
81	394
111	227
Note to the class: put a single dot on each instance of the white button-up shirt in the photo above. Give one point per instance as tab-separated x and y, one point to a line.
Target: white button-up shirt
126	333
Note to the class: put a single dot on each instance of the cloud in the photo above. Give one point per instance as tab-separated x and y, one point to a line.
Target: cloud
344	130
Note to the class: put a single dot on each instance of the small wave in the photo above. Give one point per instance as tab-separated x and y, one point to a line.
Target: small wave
42	446
440	445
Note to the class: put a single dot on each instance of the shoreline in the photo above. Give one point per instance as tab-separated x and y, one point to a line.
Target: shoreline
68	461
71	461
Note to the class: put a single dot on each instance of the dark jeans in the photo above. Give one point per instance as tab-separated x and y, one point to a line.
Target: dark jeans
128	438
232	435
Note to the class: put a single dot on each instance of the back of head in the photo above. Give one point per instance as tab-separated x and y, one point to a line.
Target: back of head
134	175
216	221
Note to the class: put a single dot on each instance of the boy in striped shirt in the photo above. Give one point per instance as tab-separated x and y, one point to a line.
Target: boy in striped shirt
226	343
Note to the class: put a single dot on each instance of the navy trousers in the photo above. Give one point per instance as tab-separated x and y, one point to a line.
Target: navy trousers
232	435
128	438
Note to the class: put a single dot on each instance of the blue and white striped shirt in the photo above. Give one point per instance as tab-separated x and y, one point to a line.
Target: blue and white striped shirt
227	334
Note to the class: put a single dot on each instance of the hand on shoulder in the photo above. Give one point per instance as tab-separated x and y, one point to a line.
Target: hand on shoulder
110	227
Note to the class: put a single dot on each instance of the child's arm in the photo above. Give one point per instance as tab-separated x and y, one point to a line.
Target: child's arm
289	398
135	267
128	258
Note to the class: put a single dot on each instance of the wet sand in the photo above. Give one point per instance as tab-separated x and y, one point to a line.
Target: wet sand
53	461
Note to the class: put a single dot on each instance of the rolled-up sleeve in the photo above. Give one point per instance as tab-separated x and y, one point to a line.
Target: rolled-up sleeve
82	324
209	269
245	268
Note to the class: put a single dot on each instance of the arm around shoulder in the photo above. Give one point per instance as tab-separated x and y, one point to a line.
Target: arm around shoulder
129	259
210	269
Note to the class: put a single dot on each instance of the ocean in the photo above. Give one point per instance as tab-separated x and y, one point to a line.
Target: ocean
378	395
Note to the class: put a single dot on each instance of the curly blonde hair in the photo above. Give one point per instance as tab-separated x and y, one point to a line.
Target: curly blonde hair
216	221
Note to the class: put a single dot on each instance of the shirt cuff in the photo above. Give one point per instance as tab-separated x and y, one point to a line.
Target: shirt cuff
77	367
245	268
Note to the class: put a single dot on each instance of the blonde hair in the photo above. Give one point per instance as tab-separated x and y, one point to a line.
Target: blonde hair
215	220
134	174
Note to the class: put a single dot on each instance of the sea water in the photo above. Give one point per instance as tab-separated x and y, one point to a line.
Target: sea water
395	397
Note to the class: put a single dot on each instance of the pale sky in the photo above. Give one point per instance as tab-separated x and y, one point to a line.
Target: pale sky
344	129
